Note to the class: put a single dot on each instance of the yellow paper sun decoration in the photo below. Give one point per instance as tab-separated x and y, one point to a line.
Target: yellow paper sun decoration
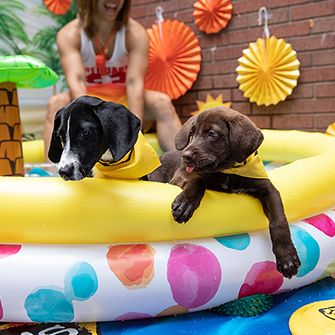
331	129
210	103
268	71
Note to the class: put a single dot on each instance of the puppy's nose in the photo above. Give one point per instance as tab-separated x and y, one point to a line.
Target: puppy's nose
66	172
188	156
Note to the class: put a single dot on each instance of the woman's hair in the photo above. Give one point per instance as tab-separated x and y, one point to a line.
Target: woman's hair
87	10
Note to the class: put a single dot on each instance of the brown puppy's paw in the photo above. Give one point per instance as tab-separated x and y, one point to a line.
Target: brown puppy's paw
288	261
183	208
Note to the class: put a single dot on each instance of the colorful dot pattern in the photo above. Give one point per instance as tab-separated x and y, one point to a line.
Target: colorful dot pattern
237	242
130	281
194	274
308	250
132	264
51	305
7	250
324	223
262	277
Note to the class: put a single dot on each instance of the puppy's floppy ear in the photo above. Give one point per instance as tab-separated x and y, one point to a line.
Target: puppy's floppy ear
56	148
245	137
120	126
184	134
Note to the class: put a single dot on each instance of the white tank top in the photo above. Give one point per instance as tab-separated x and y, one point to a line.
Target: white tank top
116	65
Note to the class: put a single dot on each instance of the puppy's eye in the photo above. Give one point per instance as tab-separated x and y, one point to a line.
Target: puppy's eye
85	133
213	133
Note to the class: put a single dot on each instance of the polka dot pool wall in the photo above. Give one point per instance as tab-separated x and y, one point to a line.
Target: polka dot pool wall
194	275
55	305
82	283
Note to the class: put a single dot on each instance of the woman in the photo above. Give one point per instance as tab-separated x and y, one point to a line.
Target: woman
102	50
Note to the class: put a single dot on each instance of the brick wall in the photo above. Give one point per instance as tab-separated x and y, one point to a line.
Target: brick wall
310	28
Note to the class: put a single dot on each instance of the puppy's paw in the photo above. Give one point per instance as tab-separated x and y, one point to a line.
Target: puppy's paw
288	261
183	208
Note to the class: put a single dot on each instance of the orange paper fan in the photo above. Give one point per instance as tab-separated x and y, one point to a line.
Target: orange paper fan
58	7
212	15
174	58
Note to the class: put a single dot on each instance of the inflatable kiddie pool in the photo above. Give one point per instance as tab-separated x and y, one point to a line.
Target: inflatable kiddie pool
102	250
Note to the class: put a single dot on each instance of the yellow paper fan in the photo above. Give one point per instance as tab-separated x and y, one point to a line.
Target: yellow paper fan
210	103
268	71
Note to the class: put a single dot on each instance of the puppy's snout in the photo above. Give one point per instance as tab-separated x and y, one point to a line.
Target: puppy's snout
66	172
188	156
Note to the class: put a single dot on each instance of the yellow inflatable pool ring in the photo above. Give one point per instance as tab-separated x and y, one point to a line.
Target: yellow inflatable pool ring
317	318
33	151
50	210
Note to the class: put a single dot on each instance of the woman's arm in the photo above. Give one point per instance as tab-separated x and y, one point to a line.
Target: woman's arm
69	43
137	46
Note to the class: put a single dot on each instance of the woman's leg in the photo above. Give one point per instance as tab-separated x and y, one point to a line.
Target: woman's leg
55	103
158	107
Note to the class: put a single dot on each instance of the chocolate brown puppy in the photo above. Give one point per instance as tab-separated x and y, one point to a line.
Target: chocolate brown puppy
217	150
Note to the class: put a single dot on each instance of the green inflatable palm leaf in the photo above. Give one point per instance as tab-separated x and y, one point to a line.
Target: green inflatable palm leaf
26	72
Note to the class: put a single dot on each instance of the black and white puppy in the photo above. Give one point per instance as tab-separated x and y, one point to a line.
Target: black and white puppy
89	129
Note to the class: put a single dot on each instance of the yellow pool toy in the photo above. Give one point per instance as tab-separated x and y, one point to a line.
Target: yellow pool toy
50	210
317	318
